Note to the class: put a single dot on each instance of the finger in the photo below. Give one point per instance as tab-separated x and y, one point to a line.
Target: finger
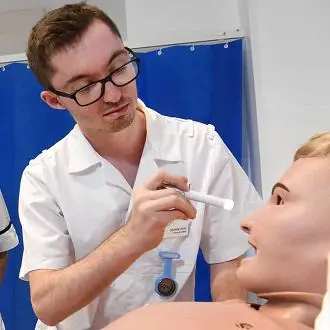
160	193
145	195
167	217
161	177
174	201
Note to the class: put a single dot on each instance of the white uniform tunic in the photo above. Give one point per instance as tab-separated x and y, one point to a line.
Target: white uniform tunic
72	199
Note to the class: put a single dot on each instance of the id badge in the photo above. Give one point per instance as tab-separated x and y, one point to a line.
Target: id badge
177	228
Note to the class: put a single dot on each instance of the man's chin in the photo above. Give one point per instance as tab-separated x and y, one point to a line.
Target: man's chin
122	122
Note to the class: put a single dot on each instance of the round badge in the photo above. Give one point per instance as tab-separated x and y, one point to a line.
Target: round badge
166	287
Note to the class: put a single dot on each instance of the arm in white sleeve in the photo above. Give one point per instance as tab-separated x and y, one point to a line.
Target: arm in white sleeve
8	237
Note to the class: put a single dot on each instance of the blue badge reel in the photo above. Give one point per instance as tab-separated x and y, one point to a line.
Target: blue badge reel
165	284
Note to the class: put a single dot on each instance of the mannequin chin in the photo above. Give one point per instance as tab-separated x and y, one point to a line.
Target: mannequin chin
323	320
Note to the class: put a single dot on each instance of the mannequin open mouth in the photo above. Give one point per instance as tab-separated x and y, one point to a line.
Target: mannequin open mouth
253	246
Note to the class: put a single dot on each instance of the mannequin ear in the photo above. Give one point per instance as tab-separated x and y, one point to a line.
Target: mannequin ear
52	100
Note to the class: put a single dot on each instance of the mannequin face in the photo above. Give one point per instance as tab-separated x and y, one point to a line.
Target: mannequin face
291	233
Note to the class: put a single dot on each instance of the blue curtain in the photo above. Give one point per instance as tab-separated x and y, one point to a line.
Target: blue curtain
27	126
202	83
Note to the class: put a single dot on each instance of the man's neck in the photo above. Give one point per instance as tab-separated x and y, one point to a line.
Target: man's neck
125	145
294	307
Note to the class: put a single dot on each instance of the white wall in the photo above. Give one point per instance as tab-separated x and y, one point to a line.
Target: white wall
14	29
157	22
18	16
141	22
291	60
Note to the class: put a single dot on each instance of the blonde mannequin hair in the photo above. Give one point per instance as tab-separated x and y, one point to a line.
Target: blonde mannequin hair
317	146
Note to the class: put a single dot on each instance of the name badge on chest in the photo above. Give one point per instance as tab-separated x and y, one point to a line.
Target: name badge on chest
177	228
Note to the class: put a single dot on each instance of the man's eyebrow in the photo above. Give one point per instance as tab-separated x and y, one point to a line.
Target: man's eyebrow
84	76
280	185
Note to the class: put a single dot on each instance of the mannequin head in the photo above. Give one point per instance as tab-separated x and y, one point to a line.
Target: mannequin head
291	232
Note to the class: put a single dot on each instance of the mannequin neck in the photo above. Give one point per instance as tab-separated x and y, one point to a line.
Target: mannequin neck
298	307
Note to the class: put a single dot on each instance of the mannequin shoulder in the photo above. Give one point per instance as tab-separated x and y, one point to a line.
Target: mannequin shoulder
231	315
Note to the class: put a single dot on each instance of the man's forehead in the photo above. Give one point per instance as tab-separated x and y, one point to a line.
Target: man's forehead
73	62
92	51
69	64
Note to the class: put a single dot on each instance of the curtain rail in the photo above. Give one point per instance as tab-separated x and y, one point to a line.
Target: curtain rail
21	58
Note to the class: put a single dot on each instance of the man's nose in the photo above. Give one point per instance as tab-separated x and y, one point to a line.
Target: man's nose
112	93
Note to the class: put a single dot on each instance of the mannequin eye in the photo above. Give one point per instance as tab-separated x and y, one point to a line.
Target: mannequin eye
279	200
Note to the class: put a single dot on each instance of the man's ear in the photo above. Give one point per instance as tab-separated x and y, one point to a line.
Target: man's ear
52	100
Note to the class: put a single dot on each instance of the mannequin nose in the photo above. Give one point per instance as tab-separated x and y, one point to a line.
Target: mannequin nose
261	211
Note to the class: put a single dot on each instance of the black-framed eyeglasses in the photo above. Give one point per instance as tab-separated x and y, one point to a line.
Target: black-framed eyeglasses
121	76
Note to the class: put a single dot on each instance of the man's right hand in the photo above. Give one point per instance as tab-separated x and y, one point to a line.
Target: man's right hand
57	294
153	209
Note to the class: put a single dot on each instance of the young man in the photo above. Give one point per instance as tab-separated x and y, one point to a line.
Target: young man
291	236
93	217
8	240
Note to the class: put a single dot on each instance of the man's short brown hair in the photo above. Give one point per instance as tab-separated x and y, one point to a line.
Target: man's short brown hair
58	29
